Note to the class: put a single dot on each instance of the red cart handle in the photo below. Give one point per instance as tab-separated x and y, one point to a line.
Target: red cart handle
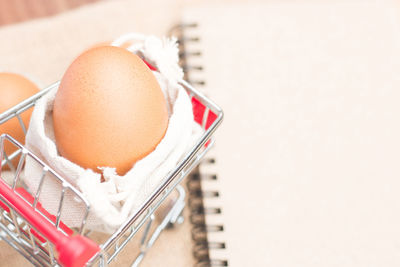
73	251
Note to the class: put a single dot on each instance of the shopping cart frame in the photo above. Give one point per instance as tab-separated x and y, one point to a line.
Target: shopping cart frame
110	249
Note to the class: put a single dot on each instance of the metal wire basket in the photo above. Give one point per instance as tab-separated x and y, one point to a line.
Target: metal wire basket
45	240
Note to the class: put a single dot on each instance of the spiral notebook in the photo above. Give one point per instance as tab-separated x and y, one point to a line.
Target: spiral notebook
304	170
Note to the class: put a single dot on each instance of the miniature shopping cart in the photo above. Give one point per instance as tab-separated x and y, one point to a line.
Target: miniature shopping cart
45	240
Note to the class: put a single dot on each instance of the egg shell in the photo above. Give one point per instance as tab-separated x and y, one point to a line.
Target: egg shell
15	88
109	110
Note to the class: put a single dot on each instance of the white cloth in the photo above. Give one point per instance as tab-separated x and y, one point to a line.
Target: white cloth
115	199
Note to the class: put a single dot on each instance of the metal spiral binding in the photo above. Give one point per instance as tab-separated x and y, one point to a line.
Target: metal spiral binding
198	211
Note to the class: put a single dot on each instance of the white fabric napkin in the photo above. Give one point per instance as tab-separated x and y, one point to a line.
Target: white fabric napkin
115	199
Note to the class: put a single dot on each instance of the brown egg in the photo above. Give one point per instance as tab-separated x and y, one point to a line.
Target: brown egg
109	110
15	88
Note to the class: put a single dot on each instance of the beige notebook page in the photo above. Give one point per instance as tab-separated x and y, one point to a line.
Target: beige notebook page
308	153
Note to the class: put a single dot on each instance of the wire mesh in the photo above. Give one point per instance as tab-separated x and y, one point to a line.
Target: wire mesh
26	239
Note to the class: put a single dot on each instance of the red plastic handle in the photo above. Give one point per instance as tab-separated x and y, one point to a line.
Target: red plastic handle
73	251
